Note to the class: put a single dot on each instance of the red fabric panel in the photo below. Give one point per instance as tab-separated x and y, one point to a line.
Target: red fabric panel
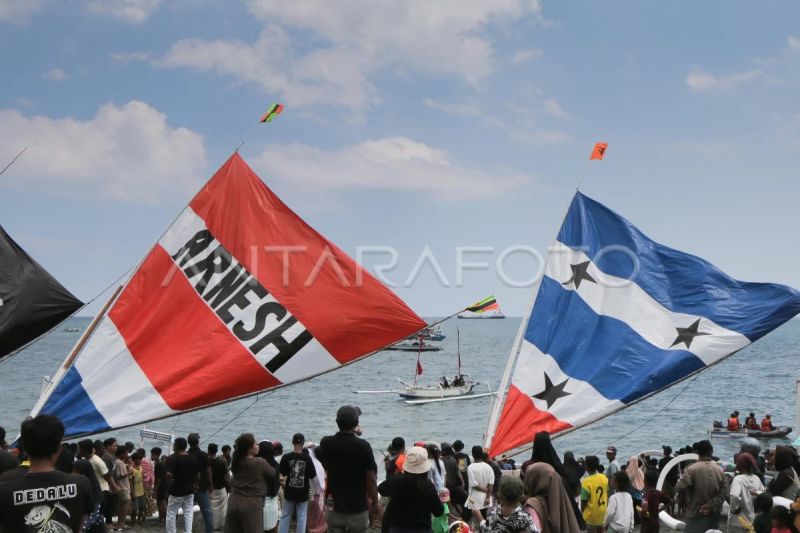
184	349
349	321
520	421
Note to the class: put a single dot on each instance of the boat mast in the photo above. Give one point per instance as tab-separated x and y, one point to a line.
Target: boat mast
458	340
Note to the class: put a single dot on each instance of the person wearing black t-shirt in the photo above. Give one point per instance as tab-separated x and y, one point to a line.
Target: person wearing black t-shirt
298	468
352	475
44	499
183	477
201	495
220	486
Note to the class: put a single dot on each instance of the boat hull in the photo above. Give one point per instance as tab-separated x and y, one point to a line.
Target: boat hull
777	433
410	348
429	391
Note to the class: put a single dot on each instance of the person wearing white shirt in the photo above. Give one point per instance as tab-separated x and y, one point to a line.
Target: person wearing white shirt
619	513
480	477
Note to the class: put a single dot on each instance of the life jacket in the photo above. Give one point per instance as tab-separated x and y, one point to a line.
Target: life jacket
733	424
766	424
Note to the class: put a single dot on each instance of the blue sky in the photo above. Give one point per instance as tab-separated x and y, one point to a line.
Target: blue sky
408	124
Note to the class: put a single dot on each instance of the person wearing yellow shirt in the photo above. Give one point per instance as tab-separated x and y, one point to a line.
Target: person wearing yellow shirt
594	496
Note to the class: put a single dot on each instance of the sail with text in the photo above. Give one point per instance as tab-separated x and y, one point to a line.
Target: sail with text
239	296
618	317
31	301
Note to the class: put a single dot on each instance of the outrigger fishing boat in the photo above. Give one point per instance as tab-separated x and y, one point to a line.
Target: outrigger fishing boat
460	387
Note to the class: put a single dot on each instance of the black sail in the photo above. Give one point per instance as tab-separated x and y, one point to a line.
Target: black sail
31	300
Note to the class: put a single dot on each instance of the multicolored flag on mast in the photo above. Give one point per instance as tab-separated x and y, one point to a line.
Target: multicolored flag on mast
238	296
617	318
484	306
31	300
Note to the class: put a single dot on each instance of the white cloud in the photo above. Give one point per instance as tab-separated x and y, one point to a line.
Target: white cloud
133	11
554	108
126	153
351	43
702	81
794	43
394	163
453	108
55	74
523	56
18	11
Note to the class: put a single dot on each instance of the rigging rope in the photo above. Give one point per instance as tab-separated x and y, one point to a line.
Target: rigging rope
646	422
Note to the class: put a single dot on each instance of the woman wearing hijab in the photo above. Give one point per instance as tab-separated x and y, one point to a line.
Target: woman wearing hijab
548	503
412	496
543	452
744	488
786	483
272	511
636	477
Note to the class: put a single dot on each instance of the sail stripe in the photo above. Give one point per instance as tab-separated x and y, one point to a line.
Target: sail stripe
312	266
604	351
95	385
72	404
744	308
624	300
583	401
197	360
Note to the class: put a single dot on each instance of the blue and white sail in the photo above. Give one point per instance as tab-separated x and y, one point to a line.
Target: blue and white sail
618	317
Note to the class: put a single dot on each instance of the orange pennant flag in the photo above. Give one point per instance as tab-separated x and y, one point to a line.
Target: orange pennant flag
599	150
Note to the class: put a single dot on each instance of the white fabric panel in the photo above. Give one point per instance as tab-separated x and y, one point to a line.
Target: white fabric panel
626	301
114	381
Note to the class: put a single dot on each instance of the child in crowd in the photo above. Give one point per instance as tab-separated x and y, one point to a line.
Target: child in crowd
781	519
619	514
762	505
139	511
441	523
652	499
508	517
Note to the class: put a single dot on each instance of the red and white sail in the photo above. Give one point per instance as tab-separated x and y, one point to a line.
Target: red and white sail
239	296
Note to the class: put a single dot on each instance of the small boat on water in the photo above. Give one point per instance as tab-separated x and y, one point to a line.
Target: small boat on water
777	433
433	334
488	316
461	386
415	345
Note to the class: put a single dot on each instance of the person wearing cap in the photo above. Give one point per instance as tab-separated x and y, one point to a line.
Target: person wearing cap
298	469
352	475
613	465
412	496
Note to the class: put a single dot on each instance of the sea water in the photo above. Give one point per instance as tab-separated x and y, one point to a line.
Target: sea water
760	378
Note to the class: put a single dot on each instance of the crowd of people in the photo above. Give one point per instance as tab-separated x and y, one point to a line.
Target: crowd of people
255	487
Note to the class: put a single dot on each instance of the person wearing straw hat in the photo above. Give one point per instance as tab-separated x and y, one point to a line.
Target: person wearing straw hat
412	496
